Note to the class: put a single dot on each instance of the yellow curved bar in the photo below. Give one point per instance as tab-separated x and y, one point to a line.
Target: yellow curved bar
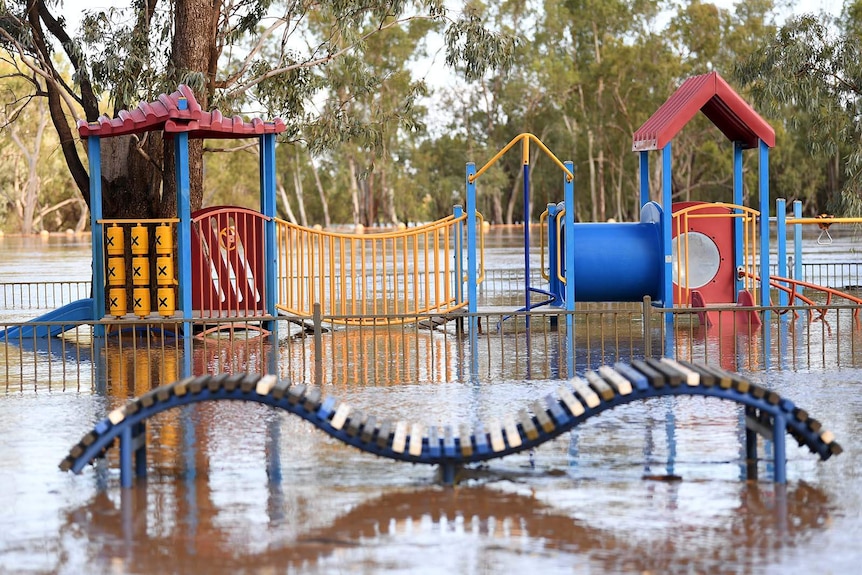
542	219
480	221
525	157
829	221
558	219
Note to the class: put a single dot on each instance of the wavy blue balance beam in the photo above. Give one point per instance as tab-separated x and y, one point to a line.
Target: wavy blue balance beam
451	447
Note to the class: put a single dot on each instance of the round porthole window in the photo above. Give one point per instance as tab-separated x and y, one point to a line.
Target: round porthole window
703	260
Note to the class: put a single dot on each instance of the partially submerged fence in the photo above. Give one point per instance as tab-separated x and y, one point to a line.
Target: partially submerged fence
147	354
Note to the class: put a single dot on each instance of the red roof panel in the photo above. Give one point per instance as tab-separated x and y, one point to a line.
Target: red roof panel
166	114
710	94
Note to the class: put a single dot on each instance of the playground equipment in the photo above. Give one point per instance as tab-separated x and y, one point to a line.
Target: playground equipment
450	446
233	275
235	263
678	253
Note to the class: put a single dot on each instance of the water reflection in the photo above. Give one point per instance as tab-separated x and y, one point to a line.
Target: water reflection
182	527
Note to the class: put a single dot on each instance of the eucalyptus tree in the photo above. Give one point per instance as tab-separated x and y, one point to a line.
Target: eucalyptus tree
603	62
376	103
487	113
808	73
33	184
239	55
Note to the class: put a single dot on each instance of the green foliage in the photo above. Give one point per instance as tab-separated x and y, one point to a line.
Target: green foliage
389	141
808	76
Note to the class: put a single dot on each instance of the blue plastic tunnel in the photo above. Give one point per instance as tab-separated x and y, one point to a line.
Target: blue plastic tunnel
616	262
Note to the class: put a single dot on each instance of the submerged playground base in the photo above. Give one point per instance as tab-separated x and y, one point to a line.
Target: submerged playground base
451	447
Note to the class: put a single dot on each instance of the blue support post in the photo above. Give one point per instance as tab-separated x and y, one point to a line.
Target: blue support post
126	450
644	177
737	222
472	267
94	153
666	222
184	241
781	232
763	179
140	436
797	242
267	208
568	228
472	272
779	430
750	465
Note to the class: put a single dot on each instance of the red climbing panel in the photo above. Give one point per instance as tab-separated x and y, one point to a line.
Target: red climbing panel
228	270
711	263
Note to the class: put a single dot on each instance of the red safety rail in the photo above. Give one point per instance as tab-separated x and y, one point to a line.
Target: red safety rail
228	269
796	284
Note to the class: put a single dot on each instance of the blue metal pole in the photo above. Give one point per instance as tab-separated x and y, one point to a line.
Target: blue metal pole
737	222
781	230
779	429
644	177
472	267
126	449
184	242
140	434
569	247
94	153
763	174
666	222
267	208
797	242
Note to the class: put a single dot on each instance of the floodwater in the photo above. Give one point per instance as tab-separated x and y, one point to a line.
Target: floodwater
652	487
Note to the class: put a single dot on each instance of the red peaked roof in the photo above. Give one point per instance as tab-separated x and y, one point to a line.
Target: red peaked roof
166	114
710	94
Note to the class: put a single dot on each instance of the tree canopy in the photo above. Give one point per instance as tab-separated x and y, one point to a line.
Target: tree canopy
375	135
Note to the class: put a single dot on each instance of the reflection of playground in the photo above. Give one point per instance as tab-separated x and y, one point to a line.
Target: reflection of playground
302	529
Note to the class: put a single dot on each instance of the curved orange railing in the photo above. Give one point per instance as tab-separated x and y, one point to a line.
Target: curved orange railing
774	281
749	218
372	278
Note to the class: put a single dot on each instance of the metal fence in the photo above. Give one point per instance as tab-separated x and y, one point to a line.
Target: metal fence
138	355
41	295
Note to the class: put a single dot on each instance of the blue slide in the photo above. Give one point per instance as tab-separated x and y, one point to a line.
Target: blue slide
80	310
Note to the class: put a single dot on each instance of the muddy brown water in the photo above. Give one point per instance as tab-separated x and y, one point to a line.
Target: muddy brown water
652	487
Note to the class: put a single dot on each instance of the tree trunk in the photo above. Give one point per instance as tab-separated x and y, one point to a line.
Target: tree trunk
323	203
388	198
300	195
513	196
284	200
354	189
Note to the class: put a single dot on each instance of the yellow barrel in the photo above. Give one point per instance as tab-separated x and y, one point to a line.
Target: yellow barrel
114	240
164	239
167	304
165	270
139	241
141	301
117	302
116	271
141	271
